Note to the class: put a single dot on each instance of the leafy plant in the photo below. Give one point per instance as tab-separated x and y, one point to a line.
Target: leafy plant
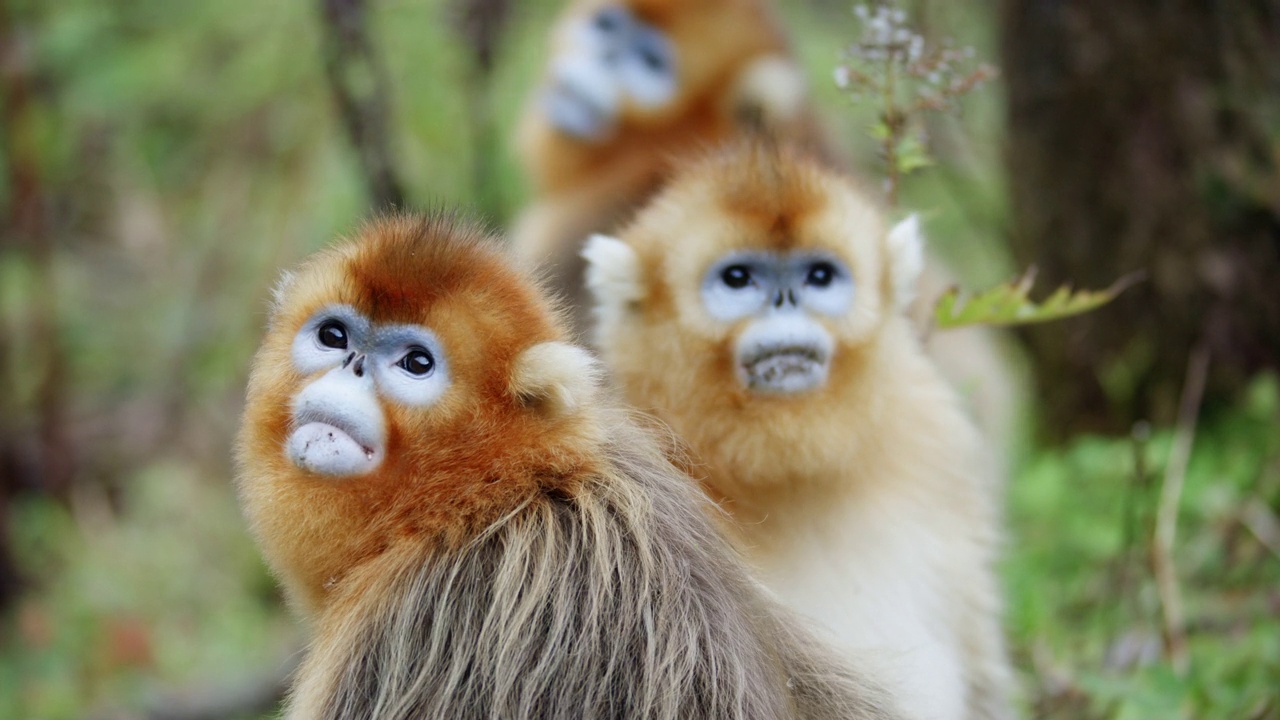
906	76
894	66
1010	303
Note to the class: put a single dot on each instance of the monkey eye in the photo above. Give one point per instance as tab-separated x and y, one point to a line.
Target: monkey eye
736	276
607	20
417	362
332	334
651	54
820	274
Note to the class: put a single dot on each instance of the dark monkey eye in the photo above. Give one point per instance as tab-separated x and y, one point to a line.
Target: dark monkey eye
607	20
652	58
736	276
332	334
820	274
417	362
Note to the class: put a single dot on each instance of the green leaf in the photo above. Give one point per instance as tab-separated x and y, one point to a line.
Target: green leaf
1010	304
912	155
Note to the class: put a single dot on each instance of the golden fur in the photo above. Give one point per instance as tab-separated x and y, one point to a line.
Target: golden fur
868	504
523	550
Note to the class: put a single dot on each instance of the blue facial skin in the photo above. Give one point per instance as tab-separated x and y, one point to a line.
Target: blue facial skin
407	362
782	349
755	283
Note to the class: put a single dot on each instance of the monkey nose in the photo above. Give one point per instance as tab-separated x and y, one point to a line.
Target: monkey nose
359	364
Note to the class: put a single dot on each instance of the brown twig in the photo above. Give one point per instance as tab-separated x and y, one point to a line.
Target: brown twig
1175	634
361	89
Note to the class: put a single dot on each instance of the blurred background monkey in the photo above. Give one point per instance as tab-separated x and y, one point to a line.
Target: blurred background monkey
472	532
758	306
630	85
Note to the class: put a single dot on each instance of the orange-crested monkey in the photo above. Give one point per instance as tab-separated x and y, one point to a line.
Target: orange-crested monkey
630	85
758	306
475	533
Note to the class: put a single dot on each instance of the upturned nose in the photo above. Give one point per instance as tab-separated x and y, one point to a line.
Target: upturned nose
785	297
356	362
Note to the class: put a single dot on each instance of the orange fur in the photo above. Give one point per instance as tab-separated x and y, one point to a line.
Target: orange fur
521	548
868	504
439	480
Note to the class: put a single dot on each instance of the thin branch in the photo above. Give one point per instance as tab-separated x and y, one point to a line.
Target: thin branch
1175	633
361	89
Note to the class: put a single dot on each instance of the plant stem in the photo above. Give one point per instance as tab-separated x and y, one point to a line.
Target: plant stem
1175	635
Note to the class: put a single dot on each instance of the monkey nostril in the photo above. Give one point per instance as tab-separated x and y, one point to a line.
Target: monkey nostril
347	362
778	300
791	297
359	368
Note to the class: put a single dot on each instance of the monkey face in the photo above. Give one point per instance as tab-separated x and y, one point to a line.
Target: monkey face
610	59
743	306
782	348
644	64
757	268
354	366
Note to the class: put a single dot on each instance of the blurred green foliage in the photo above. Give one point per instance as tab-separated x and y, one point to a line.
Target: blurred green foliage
1083	608
191	150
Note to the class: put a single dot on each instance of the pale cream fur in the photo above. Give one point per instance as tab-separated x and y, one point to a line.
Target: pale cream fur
869	505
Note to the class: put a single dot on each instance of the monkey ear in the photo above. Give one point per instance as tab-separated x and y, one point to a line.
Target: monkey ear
613	271
282	289
556	378
906	260
770	91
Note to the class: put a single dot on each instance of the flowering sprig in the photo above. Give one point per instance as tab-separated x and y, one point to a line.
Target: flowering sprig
893	66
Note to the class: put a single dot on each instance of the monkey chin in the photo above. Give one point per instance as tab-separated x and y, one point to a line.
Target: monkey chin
325	448
784	370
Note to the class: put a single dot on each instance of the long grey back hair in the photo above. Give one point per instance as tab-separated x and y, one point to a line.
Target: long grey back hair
620	600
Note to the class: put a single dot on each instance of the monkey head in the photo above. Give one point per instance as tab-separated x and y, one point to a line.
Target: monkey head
619	63
744	303
404	379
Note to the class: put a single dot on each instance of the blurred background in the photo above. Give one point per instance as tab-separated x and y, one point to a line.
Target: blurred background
160	162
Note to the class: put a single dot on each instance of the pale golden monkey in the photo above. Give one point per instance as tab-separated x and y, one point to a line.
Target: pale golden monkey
758	306
630	85
472	532
633	86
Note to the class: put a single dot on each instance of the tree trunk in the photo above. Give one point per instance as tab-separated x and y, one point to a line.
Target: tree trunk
1143	137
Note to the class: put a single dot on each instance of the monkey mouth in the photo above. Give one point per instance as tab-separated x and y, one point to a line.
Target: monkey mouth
574	112
784	369
330	444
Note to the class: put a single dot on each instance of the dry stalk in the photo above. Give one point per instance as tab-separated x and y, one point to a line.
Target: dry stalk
1174	630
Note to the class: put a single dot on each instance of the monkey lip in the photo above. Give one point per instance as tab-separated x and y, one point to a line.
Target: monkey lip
574	112
784	369
331	445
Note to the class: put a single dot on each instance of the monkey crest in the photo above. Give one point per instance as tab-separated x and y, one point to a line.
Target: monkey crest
373	409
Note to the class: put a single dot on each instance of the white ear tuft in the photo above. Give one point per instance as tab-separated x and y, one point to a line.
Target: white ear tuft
557	377
613	270
773	88
281	289
906	260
